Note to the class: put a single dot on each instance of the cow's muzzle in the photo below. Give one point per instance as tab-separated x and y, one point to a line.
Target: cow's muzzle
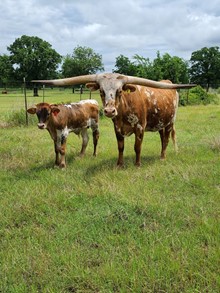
110	112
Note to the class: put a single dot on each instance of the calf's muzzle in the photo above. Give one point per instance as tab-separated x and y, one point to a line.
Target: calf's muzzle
41	125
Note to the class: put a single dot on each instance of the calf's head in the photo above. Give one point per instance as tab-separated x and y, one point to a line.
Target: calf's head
43	112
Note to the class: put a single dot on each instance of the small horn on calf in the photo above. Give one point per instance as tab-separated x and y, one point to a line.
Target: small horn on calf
156	84
69	81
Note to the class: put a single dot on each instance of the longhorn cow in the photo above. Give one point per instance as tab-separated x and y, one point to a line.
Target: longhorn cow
134	104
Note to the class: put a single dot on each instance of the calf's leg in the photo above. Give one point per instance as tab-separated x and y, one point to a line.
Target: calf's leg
57	152
95	140
60	148
63	153
85	140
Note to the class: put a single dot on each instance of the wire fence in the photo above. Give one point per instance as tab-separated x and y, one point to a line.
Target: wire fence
22	96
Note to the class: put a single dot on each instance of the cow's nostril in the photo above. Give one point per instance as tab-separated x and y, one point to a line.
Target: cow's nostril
113	111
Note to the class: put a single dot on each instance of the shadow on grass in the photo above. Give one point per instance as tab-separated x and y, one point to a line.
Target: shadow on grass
96	165
111	164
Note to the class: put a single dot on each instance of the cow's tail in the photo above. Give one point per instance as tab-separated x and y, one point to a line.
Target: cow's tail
173	136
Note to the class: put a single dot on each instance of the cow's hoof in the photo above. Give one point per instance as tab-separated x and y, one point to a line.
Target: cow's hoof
120	166
137	164
62	166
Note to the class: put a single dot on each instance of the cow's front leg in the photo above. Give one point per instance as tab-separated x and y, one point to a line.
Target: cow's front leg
137	147
120	141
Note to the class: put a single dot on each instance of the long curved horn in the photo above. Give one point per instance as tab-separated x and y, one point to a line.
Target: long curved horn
83	79
69	81
155	84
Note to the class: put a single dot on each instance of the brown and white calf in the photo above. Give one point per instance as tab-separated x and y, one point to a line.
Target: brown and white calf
62	119
134	104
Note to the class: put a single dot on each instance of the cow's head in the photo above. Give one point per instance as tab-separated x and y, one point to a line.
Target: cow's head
43	112
111	86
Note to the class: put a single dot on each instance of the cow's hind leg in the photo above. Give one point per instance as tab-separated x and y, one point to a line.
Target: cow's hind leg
164	136
85	140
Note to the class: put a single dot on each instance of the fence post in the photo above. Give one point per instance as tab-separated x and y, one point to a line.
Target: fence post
43	91
25	102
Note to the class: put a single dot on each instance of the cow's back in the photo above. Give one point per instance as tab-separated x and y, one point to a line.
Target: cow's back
76	115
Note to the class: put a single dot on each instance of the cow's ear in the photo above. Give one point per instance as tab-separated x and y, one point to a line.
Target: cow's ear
55	110
32	110
129	87
93	86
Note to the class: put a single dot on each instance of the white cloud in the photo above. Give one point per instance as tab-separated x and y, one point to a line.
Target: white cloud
125	27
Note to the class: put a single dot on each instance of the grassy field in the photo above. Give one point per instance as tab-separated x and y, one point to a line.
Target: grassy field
94	228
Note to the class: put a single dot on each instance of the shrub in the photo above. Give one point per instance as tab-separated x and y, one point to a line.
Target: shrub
18	118
196	96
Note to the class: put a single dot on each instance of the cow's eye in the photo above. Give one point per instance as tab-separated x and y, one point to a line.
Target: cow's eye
119	93
102	93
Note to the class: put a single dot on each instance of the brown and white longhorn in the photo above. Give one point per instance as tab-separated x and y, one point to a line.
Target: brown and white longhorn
62	119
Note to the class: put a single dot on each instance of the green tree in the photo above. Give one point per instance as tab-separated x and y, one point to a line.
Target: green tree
205	67
125	66
6	70
33	58
83	61
172	68
143	67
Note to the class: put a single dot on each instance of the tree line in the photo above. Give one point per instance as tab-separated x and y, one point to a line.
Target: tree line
33	58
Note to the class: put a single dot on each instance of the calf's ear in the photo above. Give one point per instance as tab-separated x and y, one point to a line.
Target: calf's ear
31	110
55	110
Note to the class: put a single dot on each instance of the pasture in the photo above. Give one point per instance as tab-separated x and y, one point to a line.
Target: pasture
96	228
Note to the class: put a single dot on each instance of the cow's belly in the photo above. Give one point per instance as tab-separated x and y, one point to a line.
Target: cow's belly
156	124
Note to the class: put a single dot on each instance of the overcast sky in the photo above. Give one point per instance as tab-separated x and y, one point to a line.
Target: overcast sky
114	27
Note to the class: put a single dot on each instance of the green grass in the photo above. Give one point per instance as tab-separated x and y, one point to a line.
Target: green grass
96	228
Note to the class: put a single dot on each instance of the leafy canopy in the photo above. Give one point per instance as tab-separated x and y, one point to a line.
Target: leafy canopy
33	58
125	66
83	61
163	67
205	67
6	69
